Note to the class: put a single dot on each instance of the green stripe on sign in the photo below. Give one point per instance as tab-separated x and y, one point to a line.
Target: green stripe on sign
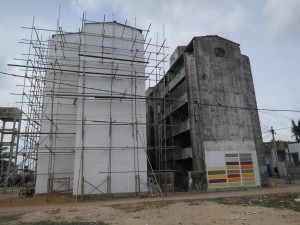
249	183
222	185
247	171
232	163
245	159
242	155
216	172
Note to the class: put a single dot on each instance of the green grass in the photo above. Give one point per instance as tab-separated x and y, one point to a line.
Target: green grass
53	211
73	210
136	207
278	201
10	219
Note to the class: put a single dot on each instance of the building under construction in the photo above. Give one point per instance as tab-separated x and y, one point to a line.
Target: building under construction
203	118
84	107
94	108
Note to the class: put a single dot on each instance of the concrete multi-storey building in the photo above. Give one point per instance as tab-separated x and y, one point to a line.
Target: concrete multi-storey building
203	117
93	127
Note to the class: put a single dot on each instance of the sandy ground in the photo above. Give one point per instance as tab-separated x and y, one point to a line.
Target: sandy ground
184	213
195	209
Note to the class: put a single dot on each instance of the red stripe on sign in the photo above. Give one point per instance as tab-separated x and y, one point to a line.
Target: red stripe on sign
233	175
247	163
214	181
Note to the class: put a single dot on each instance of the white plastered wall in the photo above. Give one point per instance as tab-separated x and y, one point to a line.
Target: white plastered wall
127	142
62	147
128	156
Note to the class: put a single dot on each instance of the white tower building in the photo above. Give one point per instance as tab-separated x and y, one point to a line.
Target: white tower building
93	134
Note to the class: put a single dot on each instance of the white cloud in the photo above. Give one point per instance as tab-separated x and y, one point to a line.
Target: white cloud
88	5
234	19
5	35
8	84
283	16
4	81
2	32
184	19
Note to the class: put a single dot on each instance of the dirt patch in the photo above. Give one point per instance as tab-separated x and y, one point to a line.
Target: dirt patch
243	210
35	201
80	214
206	213
243	207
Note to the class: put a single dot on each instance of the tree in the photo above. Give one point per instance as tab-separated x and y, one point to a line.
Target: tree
296	130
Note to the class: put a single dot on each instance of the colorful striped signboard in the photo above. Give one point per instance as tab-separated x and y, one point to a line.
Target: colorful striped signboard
237	172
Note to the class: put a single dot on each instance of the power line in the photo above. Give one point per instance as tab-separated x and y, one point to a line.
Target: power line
170	99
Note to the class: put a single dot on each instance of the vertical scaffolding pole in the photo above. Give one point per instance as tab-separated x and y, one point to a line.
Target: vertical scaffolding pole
2	138
83	112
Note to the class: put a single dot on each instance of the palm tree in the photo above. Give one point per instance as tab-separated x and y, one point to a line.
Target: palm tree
296	130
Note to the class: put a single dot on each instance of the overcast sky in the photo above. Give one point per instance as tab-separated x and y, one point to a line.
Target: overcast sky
267	30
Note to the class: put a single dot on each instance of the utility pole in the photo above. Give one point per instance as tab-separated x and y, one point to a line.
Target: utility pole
275	150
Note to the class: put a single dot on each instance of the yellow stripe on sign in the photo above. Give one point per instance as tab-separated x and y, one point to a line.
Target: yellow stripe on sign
233	167
248	174
234	180
218	176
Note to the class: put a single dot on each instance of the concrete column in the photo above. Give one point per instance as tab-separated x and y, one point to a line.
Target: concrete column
194	114
12	142
18	140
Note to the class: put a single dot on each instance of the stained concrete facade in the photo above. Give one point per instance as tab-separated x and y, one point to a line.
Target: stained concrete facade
207	103
93	129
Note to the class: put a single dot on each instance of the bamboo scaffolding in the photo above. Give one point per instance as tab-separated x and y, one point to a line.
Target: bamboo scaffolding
41	93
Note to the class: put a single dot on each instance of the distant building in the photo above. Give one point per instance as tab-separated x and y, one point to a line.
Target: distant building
294	152
282	157
203	117
10	120
287	162
293	164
